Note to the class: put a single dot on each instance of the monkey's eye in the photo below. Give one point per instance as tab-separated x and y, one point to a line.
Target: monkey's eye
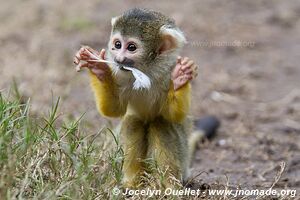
131	47
118	44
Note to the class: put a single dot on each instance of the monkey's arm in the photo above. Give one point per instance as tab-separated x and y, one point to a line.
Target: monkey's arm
177	105
106	95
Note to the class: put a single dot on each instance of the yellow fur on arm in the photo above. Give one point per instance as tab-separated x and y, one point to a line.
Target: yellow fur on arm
178	104
107	101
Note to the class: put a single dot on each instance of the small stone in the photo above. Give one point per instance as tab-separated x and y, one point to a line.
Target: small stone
222	142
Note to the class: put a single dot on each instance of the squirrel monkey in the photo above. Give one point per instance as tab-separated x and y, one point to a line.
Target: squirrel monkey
141	79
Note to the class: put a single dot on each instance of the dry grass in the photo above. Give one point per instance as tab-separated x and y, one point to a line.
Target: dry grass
49	158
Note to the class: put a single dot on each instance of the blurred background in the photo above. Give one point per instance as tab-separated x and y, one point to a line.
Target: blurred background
249	75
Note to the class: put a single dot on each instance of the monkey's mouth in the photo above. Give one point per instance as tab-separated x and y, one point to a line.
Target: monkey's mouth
141	79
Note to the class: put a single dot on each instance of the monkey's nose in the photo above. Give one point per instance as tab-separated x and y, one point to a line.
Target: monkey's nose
119	60
124	61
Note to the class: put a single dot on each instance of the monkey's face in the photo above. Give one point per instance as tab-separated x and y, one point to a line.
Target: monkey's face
125	51
147	41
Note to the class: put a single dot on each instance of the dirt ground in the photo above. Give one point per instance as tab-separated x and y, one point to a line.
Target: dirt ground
248	53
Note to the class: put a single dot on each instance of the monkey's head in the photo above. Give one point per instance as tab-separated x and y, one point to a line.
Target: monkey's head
146	40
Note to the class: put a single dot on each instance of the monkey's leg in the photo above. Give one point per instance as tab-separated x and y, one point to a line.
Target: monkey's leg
168	147
134	145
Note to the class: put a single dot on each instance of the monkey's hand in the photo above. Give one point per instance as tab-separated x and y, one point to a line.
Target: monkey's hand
90	57
184	71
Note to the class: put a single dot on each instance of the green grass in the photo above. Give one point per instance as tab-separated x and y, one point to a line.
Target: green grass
52	158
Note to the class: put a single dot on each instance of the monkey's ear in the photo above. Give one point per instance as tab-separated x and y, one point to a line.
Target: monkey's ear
113	20
172	38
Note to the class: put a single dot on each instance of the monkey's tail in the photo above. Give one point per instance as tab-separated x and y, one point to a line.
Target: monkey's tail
204	128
